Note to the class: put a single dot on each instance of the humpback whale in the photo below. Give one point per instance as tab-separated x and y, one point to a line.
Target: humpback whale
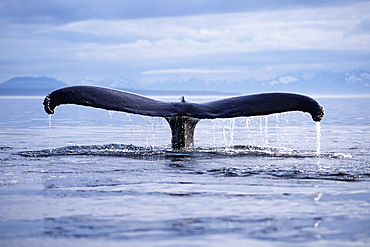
183	116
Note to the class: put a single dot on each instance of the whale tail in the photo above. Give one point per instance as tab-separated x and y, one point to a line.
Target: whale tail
183	116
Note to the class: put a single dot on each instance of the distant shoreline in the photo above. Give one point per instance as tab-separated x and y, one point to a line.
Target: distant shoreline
40	92
211	96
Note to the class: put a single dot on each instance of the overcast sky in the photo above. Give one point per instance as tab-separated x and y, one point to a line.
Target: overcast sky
151	40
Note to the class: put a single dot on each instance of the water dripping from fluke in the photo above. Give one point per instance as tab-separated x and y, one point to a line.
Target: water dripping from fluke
50	132
183	117
318	140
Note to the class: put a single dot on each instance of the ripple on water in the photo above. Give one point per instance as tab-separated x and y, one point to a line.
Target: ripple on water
280	171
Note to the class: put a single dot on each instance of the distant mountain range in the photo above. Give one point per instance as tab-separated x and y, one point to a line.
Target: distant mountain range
30	86
353	82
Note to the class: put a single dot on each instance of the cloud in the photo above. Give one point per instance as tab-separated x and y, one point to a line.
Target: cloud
65	11
240	38
362	28
303	29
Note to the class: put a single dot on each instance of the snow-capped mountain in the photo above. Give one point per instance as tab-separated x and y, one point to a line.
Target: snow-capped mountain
360	76
324	82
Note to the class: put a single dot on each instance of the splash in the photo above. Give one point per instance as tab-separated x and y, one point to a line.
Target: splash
153	152
97	150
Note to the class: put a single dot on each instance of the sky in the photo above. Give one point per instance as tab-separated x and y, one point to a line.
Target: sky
149	41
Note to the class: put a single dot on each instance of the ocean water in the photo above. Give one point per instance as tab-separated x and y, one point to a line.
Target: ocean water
91	177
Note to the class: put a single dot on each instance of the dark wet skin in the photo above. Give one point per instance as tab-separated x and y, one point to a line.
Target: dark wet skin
183	116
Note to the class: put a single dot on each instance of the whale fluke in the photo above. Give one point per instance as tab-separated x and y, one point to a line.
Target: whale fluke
183	116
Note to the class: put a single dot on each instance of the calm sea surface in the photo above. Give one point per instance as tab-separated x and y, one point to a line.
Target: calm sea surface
90	177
